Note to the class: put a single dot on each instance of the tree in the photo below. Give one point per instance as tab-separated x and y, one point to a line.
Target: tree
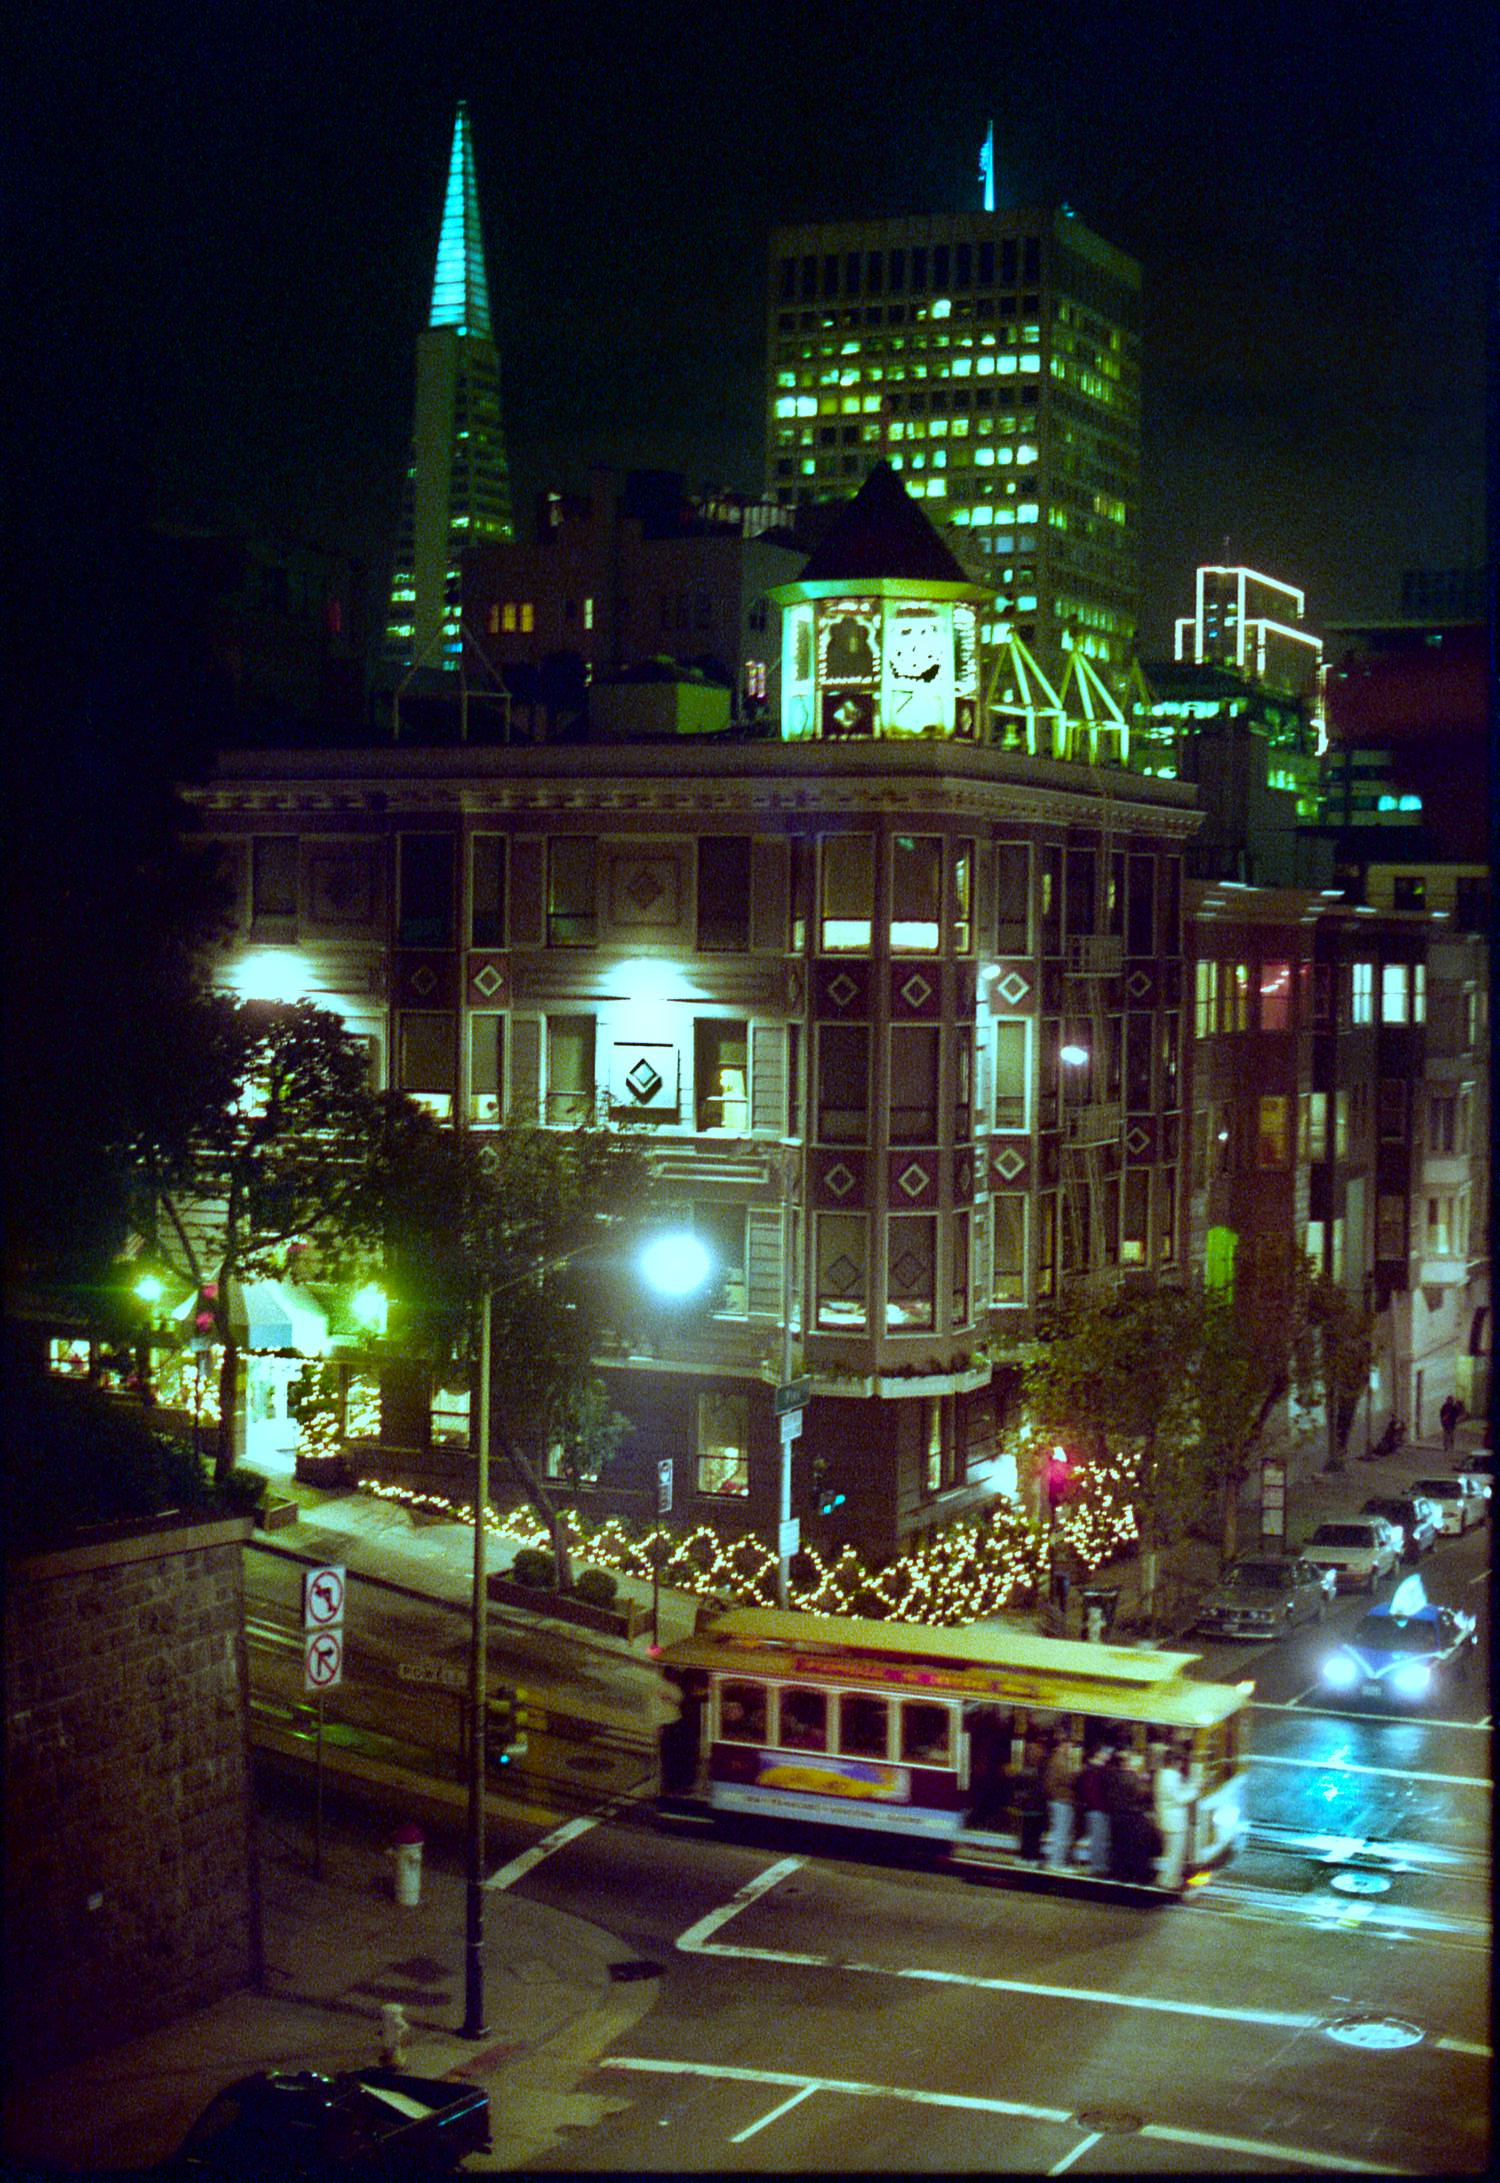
1256	1347
1110	1372
532	1218
255	1160
1346	1348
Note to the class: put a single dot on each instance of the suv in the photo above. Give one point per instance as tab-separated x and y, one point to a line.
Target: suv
1360	1550
1457	1504
1413	1515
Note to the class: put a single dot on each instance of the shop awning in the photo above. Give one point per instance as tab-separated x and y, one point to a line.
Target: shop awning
278	1315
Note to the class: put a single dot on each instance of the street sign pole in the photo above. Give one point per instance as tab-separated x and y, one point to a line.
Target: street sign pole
474	2026
318	1797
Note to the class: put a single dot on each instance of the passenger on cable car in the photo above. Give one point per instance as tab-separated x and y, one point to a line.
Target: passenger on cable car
1061	1781
1093	1814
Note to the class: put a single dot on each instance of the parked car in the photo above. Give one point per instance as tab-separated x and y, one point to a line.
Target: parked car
1477	1478
1403	1651
1455	1500
300	2122
1360	1550
1414	1516
1265	1594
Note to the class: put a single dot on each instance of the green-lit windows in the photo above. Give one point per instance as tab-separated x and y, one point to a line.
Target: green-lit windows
1009	1274
720	1074
842	1271
487	892
847	918
916	893
843	1083
572	896
1273	1139
911	1272
1012	1072
486	1067
961	932
724	1466
914	1084
1362	993
427	1058
570	1069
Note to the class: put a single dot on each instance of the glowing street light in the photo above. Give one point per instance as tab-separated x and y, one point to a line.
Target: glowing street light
1074	1056
370	1306
150	1288
677	1264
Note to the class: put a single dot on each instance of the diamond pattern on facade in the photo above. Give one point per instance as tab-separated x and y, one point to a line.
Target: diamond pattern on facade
916	990
488	982
1139	985
1137	1141
1008	1163
423	981
907	1274
914	1179
643	888
841	990
643	1081
839	1180
1013	989
843	1276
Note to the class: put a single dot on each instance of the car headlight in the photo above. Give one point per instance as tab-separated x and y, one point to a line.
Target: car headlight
1339	1670
1412	1681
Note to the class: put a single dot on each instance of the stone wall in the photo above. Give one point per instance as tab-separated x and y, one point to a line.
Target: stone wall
130	1882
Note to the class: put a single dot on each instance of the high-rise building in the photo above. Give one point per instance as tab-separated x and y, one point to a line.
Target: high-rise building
993	358
457	483
1252	623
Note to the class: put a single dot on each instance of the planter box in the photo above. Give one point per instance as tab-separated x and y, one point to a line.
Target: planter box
276	1515
626	1620
324	1470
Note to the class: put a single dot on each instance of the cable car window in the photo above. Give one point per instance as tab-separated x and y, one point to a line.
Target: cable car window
742	1712
862	1727
924	1734
804	1721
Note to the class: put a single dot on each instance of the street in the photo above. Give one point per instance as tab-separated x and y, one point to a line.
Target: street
1323	2004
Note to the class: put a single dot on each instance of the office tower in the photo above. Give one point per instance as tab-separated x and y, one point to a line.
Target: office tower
1252	623
457	483
994	360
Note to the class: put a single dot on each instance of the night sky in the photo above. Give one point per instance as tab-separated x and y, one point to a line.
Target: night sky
228	214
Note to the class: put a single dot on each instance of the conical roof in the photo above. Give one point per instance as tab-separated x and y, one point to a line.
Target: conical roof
460	291
882	532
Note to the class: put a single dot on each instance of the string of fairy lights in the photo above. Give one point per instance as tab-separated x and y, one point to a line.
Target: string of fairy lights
973	1568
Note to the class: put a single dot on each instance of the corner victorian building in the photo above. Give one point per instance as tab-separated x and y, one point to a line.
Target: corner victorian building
900	1008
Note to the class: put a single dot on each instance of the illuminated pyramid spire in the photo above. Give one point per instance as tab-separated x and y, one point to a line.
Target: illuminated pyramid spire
460	290
458	481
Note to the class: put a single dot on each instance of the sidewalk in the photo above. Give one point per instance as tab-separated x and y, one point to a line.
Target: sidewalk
336	1949
1313	1497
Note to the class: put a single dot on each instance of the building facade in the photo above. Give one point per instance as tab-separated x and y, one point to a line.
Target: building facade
994	360
900	1011
457	490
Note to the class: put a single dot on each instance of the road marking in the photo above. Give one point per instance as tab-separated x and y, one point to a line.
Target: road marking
776	2113
1465	2046
696	1942
975	2103
1390	1773
507	1875
1332	1713
1083	2146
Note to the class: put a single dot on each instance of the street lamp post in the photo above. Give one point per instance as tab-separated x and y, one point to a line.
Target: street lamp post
474	2026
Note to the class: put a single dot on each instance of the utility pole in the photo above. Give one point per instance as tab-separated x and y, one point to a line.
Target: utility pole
474	2026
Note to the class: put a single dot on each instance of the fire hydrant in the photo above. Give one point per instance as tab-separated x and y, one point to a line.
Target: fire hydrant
406	1848
394	2033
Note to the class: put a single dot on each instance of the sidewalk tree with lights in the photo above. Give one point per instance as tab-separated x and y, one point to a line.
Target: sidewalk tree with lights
270	1175
531	1218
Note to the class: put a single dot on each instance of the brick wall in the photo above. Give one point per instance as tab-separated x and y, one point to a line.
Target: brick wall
129	1821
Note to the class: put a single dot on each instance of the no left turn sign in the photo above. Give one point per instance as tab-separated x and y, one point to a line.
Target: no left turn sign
323	1660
